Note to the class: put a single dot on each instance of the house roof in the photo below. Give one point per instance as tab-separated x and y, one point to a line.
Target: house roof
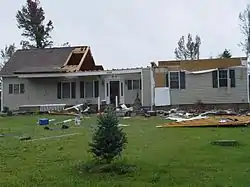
201	64
49	60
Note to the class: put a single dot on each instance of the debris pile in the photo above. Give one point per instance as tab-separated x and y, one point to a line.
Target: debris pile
224	118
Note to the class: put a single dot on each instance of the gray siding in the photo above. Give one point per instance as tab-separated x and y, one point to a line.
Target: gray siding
41	91
130	95
44	90
199	87
146	86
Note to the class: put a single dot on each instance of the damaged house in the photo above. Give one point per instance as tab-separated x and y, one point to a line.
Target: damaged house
69	75
215	83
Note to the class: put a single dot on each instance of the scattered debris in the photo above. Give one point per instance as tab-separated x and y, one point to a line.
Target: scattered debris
121	125
64	127
64	121
25	138
215	118
47	128
126	117
123	111
225	142
78	120
146	115
208	121
43	121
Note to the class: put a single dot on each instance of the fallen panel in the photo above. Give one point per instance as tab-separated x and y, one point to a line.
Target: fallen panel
228	121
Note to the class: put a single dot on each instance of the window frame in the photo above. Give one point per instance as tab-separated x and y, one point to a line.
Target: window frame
178	75
229	82
96	83
11	88
180	85
130	84
223	78
83	83
62	92
70	90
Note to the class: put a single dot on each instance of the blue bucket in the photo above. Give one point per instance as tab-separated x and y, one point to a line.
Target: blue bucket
43	121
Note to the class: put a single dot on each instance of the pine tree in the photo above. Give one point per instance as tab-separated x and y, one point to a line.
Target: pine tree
226	54
137	103
109	140
31	20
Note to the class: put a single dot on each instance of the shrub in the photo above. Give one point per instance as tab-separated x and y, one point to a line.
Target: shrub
9	113
108	140
5	109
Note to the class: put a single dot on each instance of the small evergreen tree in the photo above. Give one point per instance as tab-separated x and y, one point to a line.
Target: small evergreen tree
137	103
109	140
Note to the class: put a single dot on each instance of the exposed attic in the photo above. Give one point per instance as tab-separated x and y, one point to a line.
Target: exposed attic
80	59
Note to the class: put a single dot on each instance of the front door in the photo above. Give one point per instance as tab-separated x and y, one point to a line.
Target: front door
114	91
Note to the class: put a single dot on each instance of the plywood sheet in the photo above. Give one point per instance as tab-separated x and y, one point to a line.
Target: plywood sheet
160	79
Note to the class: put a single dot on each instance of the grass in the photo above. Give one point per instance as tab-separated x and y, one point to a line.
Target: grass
179	157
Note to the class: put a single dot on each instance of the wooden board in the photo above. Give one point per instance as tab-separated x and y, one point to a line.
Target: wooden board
211	122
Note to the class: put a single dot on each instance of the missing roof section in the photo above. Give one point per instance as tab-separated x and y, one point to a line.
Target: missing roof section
76	56
80	59
75	59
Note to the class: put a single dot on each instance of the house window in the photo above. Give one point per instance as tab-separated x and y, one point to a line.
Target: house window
66	90
59	90
73	90
89	89
220	78
16	88
232	77
96	88
174	80
10	88
22	88
121	88
182	80
134	84
223	78
82	89
107	90
129	84
166	80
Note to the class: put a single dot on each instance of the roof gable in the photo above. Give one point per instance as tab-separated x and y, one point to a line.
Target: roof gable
47	60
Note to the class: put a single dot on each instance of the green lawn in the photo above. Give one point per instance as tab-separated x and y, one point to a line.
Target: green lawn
163	156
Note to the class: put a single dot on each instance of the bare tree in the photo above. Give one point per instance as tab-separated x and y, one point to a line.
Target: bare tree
244	18
190	50
7	53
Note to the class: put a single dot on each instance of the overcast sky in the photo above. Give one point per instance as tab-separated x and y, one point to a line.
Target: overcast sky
134	32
